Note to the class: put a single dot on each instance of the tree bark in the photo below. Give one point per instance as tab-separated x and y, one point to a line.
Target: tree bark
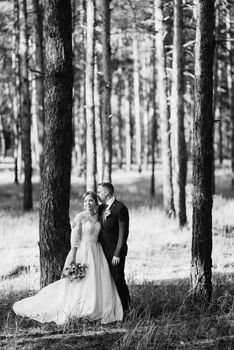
153	125
98	121
168	197
25	107
136	85
107	83
35	144
189	111
215	97
79	109
90	116
16	91
54	229
203	152
2	140
127	113
39	75
230	80
218	112
146	74
179	154
119	93
217	105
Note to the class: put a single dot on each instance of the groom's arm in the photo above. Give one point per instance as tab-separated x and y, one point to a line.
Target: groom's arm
123	219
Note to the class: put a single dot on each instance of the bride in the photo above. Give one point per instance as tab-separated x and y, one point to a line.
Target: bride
95	296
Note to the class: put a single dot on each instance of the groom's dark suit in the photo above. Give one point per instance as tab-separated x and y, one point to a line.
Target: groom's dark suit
113	238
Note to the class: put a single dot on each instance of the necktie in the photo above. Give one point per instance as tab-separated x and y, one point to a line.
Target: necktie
104	212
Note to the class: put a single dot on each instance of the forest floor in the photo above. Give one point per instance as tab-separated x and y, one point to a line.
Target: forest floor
163	314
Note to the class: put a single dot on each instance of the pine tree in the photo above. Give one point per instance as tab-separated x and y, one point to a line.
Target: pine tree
168	196
179	154
107	85
25	106
54	228
90	111
203	152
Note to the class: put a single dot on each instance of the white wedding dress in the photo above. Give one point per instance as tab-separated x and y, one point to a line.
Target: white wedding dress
93	297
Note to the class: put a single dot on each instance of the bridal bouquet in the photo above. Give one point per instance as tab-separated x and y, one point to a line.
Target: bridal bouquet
75	272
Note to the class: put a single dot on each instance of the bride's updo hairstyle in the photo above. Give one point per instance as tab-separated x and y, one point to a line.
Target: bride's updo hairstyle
92	194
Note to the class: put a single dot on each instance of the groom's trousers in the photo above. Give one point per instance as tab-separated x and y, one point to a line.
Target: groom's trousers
117	272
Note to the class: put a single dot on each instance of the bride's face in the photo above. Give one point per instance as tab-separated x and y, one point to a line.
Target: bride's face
89	203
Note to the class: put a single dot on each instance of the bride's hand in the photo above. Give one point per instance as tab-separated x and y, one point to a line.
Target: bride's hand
73	261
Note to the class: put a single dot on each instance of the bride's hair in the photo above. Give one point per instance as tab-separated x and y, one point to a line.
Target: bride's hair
92	194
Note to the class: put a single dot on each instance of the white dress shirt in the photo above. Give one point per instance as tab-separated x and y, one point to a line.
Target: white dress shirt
110	202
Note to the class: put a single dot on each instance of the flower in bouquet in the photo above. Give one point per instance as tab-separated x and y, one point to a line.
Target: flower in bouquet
75	272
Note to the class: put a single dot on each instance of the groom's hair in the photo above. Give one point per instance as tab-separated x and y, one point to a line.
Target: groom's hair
108	186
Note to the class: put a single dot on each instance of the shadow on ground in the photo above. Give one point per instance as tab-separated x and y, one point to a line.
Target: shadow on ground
58	342
163	315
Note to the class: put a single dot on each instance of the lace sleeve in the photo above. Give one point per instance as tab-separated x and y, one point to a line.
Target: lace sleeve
76	232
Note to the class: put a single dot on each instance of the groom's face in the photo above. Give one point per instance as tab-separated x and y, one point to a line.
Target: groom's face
102	193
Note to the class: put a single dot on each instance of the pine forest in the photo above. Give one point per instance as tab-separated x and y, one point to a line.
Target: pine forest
139	94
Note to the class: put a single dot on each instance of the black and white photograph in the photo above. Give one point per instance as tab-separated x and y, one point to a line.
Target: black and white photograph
117	174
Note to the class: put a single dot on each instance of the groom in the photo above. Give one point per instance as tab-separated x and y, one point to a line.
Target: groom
114	220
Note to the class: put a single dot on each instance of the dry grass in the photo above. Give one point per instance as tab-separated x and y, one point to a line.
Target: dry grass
163	316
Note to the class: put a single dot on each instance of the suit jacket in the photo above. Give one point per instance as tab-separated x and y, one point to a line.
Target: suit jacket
114	230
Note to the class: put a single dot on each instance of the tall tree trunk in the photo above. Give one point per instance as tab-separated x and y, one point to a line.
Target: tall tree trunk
153	125
119	118
215	96
16	90
90	116
168	197
217	107
179	154
216	93
25	107
98	121
106	106
79	57
39	75
146	137
36	149
2	140
137	112
203	152
189	111
218	111
127	114
230	80
145	73
54	229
